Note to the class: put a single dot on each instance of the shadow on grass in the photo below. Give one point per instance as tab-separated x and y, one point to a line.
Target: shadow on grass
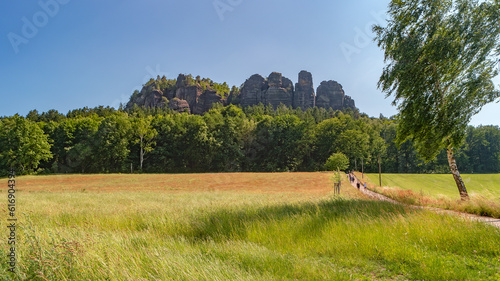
231	223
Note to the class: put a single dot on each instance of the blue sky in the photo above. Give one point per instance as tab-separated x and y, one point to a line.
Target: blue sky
67	54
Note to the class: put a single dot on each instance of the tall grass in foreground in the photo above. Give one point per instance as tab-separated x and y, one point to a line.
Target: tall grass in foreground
242	236
430	190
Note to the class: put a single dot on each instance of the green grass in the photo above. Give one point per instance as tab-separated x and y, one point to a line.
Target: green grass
440	191
437	185
237	235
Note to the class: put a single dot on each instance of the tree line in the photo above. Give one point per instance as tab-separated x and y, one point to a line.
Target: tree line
225	139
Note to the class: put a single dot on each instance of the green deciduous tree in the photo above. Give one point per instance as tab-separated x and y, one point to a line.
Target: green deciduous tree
227	127
341	134
278	144
111	144
145	134
80	155
337	161
440	65
483	149
23	144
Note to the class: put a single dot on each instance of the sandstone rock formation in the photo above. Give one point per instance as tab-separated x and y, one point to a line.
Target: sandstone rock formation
304	91
197	95
186	95
179	105
278	92
349	103
251	91
274	90
331	94
206	101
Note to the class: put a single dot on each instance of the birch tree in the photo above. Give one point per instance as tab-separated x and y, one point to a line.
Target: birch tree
440	60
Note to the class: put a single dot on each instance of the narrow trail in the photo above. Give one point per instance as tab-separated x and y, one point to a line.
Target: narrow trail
492	221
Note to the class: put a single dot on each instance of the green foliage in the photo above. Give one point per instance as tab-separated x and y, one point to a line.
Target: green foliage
278	144
100	111
170	85
183	144
341	134
482	149
166	85
111	144
23	145
232	139
234	96
33	115
145	134
440	65
337	161
221	89
51	115
135	95
227	126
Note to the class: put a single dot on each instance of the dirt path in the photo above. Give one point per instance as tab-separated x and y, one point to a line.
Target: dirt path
378	196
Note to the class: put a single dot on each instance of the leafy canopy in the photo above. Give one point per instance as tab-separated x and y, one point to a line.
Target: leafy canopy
23	144
337	161
440	61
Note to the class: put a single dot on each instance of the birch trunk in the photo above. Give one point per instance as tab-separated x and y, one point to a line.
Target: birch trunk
379	172
141	155
456	175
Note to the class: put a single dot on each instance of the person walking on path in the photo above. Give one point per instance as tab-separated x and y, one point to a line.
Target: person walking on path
357	184
365	185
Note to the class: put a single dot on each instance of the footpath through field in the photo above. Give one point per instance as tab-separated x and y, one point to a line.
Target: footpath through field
378	196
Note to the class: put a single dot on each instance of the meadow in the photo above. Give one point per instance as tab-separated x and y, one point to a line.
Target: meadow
440	190
275	226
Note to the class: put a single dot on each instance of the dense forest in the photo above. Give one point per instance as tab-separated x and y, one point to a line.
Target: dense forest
225	139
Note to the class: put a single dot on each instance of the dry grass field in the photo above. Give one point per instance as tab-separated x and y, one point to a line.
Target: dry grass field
314	184
242	226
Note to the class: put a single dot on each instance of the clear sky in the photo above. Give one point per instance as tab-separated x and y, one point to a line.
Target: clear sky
67	54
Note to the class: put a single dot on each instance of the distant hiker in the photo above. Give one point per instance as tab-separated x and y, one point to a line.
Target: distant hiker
365	185
357	184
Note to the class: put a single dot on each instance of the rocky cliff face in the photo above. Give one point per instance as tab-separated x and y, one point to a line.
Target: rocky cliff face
197	96
304	91
179	105
251	91
279	90
330	94
333	93
276	90
186	94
